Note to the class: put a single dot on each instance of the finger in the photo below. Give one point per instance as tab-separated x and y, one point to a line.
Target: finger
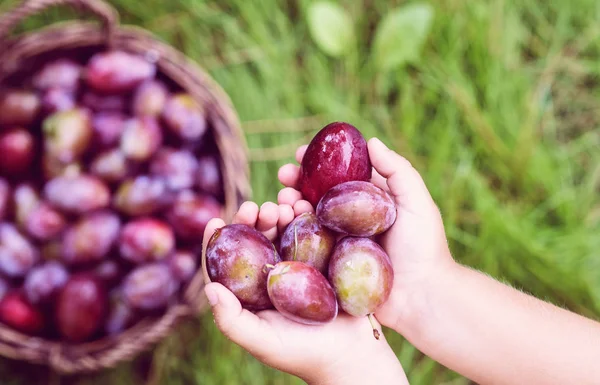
247	214
268	217
300	153
288	196
379	181
286	216
404	182
302	207
289	175
238	324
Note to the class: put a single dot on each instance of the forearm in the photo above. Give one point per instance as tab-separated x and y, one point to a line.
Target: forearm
494	334
362	368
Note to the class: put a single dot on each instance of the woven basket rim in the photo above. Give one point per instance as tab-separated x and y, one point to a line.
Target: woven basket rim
234	165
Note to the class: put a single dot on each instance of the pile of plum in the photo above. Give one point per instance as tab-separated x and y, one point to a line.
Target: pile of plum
108	176
325	260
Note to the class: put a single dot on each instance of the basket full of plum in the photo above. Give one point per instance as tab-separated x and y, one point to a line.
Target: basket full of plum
115	152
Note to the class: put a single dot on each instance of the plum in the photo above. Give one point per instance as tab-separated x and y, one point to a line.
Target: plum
19	107
77	194
185	117
146	240
18	313
120	314
306	240
208	176
190	214
142	195
141	138
57	99
17	254
177	167
81	308
236	256
361	274
91	238
25	200
301	293
183	265
68	134
44	282
110	166
117	71
103	103
149	98
58	74
5	194
107	128
18	148
149	287
337	154
44	223
357	208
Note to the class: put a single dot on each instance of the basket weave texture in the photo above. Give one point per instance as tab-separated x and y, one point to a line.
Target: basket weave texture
19	57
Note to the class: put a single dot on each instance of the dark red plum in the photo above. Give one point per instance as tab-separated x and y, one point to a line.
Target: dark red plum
17	254
236	257
185	117
337	154
208	176
18	313
5	199
110	166
117	71
58	74
150	98
357	208
18	148
146	240
57	99
143	195
301	293
177	168
77	194
44	282
91	238
183	265
150	287
141	138
306	240
19	107
107	128
190	214
361	274
68	134
81	308
44	223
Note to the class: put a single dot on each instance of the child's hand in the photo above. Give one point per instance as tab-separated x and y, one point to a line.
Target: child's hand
341	352
416	243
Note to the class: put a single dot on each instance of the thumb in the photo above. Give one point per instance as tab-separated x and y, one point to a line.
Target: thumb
239	325
404	182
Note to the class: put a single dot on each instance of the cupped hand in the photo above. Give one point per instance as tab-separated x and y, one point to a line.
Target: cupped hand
341	352
416	243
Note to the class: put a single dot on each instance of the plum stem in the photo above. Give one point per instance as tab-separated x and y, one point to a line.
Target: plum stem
375	331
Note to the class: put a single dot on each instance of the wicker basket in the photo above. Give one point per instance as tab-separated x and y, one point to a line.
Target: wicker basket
19	57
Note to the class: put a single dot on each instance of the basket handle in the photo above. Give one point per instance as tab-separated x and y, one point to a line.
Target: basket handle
107	14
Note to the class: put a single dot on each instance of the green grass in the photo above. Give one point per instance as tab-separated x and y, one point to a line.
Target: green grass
501	116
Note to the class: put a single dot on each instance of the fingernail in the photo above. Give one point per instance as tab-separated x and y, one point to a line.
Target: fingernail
380	143
211	295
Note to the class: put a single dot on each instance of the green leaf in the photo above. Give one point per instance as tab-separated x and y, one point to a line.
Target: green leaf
400	36
331	28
